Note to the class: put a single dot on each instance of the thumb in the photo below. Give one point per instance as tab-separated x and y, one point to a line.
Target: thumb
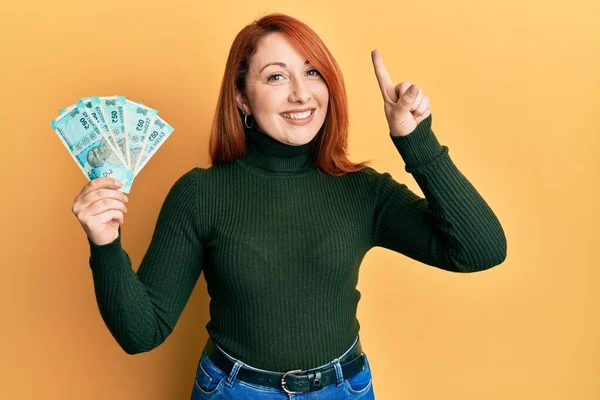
409	97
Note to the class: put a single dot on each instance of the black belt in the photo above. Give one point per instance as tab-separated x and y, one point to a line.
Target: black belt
294	381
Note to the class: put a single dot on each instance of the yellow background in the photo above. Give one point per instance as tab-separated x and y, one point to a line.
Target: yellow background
513	86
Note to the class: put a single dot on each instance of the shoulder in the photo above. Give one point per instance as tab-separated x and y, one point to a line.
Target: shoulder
372	177
380	183
186	182
185	195
183	190
192	177
371	173
197	185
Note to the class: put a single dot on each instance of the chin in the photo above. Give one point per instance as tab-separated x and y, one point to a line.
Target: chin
300	140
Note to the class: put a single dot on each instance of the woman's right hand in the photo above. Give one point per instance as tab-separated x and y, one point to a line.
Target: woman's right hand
100	209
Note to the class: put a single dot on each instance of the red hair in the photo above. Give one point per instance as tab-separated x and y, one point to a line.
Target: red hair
228	141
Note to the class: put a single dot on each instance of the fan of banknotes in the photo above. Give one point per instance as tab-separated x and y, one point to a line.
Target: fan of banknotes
111	136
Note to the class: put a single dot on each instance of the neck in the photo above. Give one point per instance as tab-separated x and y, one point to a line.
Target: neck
270	157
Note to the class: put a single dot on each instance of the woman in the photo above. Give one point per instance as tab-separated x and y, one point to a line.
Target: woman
280	224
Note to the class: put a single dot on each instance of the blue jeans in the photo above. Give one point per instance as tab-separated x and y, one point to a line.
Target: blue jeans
212	383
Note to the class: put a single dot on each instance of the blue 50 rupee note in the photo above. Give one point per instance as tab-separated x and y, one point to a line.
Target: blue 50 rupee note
113	111
159	133
89	146
138	120
94	105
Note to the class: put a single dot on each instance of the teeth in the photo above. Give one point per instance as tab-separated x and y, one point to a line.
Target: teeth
297	116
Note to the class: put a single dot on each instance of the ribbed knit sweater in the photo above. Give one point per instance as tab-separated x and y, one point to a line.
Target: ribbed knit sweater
281	243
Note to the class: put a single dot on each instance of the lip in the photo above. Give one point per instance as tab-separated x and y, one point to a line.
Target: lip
297	110
301	121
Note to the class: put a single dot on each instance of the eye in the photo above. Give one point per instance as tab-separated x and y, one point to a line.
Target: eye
270	78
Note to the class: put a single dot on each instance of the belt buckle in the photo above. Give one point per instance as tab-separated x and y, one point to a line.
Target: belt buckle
283	381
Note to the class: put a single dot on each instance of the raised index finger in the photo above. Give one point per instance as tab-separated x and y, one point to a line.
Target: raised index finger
383	78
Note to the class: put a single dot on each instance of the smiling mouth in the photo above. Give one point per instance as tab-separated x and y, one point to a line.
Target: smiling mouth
291	116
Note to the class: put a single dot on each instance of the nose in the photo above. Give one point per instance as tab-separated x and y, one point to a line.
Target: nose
300	92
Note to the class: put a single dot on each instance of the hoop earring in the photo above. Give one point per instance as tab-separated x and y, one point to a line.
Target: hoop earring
246	121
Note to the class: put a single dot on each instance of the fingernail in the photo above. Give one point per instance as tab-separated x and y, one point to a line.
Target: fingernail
118	183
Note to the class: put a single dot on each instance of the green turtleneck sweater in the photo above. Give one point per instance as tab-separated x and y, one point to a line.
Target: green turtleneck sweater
281	243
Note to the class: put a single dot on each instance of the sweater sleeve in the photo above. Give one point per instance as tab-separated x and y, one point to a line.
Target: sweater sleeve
452	228
141	309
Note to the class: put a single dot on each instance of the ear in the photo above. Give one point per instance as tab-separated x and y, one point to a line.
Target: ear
241	101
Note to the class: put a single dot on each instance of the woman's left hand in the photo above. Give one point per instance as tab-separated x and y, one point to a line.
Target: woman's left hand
405	105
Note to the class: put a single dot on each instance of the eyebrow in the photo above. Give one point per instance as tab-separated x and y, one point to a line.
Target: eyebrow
281	64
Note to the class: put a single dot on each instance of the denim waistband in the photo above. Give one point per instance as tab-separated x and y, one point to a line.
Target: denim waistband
264	370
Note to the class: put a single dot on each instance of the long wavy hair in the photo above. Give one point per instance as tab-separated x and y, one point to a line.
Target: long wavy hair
227	139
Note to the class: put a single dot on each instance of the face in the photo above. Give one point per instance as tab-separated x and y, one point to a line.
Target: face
277	89
98	154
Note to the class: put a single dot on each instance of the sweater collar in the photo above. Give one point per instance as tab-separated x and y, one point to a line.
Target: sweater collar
268	156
